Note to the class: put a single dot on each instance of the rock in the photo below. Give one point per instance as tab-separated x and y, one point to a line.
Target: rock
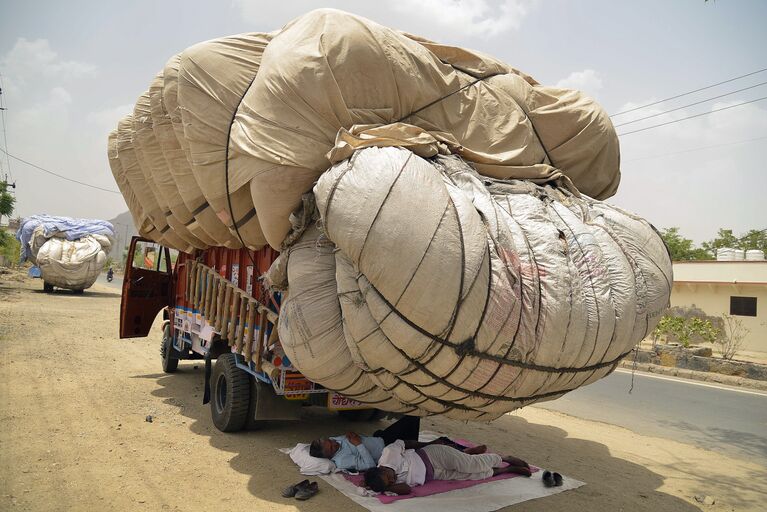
149	418
706	500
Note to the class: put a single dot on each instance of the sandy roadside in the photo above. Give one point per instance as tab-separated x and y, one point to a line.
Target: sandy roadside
73	434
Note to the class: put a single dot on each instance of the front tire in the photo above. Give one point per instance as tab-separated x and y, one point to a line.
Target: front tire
230	395
168	353
47	287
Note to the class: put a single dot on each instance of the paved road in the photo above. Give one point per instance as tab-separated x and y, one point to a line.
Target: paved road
721	418
117	282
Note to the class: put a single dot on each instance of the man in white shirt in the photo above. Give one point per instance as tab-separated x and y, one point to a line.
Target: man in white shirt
399	469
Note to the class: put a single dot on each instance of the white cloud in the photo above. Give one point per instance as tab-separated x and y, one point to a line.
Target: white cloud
479	18
588	81
31	60
50	122
444	20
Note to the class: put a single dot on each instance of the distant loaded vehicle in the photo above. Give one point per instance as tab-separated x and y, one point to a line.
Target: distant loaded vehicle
215	307
70	253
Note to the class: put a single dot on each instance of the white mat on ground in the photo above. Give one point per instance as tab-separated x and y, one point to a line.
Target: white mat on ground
479	498
485	497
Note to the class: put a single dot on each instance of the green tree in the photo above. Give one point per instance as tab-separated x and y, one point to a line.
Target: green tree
7	201
754	239
724	238
682	248
8	244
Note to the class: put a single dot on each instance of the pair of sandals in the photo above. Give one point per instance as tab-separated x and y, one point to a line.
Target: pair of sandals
303	490
552	479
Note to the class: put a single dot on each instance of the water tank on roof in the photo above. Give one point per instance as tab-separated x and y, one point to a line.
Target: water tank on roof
754	255
725	254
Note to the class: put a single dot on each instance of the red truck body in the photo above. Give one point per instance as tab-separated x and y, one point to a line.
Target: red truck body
267	386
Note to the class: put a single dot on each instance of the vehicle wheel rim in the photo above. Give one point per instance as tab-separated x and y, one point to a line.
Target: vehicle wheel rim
221	394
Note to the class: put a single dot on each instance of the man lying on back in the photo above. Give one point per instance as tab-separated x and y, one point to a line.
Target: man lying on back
353	452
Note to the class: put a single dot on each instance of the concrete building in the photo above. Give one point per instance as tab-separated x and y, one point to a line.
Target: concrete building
737	288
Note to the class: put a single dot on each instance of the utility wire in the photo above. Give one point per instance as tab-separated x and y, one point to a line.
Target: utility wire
59	175
690	105
688	93
691	150
693	116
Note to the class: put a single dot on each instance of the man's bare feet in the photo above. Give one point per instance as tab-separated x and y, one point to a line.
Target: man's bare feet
476	450
513	461
519	470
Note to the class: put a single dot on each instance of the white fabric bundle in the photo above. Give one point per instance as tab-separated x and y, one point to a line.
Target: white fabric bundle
73	264
461	295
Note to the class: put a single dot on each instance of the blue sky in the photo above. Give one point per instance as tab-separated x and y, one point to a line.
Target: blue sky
71	69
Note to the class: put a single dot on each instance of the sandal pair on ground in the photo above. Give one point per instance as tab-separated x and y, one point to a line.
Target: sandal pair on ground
552	479
303	490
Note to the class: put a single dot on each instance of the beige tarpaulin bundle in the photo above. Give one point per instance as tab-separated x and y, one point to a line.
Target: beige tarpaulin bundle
257	118
451	293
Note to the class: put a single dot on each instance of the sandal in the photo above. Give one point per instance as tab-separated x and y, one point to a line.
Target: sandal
306	492
558	480
291	491
548	479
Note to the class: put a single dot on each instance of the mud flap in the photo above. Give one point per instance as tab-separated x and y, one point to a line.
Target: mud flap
208	371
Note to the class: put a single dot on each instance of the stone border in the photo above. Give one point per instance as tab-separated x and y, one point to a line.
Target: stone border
680	362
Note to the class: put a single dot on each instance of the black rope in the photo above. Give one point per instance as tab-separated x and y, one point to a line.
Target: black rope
226	175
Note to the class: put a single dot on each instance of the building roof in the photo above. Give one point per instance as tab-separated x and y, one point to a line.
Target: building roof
721	272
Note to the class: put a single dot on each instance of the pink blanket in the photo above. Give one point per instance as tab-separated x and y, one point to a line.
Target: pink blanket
436	486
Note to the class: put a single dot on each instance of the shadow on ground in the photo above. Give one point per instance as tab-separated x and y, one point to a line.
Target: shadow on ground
612	483
87	293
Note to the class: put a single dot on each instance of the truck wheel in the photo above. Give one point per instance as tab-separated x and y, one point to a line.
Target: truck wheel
230	395
47	287
168	353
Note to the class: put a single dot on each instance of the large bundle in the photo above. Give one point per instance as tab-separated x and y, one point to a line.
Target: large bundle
455	259
70	252
435	289
233	131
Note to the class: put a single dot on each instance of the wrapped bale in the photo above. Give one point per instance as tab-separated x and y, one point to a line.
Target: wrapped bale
333	81
213	77
70	252
153	166
470	297
259	117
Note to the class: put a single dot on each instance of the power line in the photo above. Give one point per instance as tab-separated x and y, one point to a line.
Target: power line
691	150
690	105
693	116
59	175
688	93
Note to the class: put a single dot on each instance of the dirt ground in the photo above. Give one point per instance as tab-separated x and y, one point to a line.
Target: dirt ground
73	433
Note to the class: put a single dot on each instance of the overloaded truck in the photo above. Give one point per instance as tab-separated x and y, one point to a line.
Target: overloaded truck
70	253
444	244
216	309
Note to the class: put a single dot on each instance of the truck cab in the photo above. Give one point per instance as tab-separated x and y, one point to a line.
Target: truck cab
216	309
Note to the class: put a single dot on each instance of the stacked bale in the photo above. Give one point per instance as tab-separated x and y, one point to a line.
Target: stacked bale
70	252
259	117
442	253
462	295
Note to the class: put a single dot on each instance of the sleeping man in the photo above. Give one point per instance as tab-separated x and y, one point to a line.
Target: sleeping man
353	452
399	468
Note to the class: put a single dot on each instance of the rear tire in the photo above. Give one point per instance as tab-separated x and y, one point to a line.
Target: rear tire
169	354
47	287
230	395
